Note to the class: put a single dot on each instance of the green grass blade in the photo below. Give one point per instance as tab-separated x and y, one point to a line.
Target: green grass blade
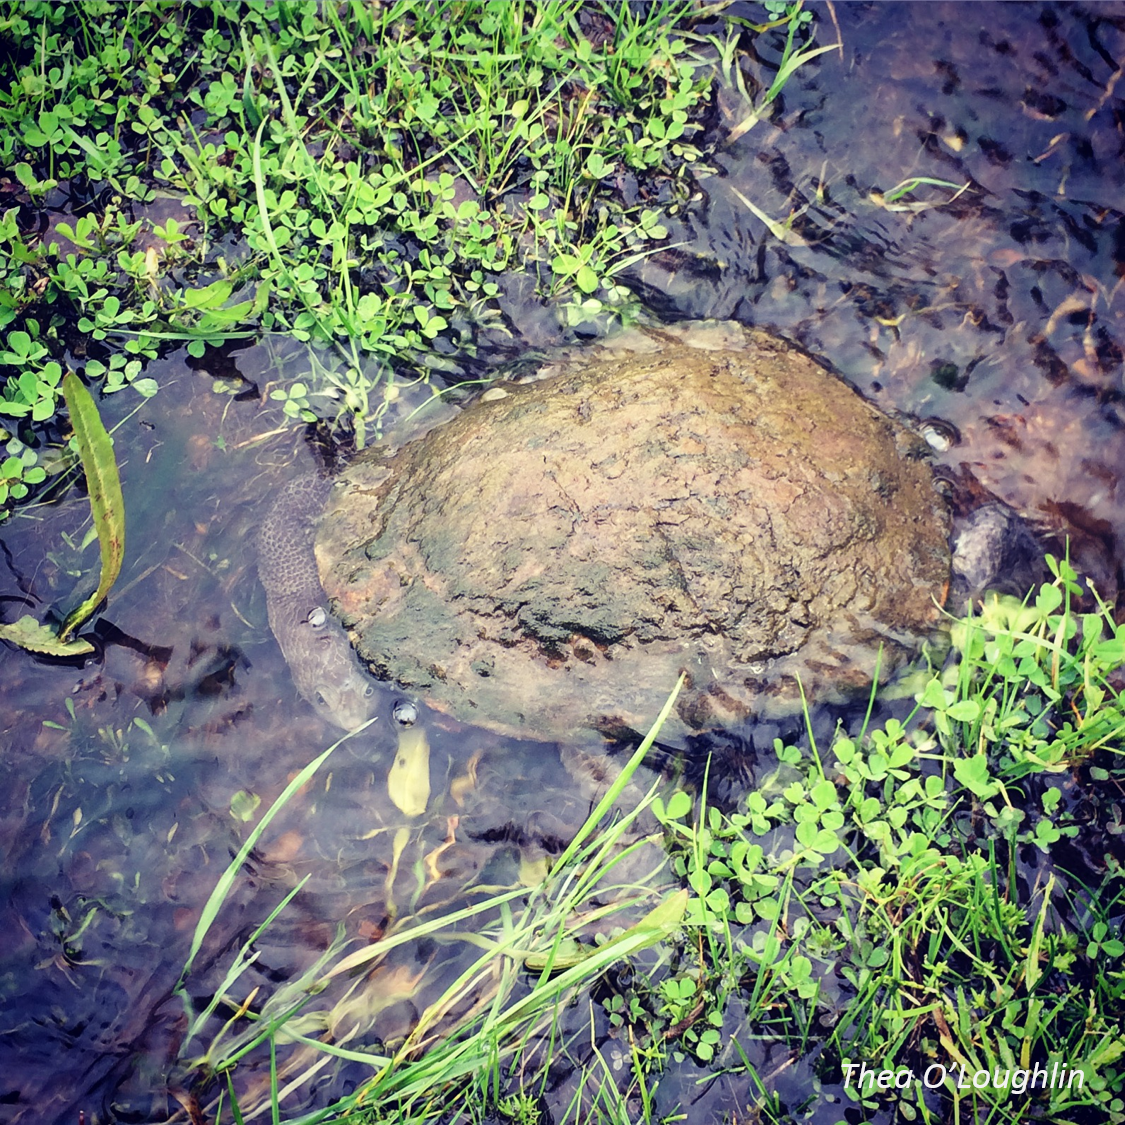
275	1109
793	64
238	1118
226	880
614	791
104	485
246	957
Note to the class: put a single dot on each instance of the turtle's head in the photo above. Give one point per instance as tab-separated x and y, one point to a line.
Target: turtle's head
327	671
347	703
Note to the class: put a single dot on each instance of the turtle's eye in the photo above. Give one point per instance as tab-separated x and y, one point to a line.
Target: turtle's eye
317	617
940	434
368	692
405	713
321	700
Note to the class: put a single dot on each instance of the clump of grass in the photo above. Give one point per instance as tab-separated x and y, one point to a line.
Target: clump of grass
869	899
504	1003
357	177
383	165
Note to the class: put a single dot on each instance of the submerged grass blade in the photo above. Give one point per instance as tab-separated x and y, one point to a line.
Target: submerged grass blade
793	63
104	485
491	1010
246	957
781	232
226	880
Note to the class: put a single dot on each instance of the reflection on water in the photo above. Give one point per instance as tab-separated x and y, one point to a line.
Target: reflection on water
998	312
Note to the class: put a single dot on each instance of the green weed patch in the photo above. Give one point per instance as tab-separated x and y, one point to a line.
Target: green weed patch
359	177
906	903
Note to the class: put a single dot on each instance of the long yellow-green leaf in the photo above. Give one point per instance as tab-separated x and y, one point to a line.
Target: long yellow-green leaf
656	925
104	486
1032	969
408	782
780	232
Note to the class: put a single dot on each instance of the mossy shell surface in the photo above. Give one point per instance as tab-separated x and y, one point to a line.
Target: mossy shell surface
699	499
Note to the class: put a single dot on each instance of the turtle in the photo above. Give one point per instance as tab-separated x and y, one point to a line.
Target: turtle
703	499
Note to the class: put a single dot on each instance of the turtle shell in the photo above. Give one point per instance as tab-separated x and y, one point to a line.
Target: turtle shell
706	500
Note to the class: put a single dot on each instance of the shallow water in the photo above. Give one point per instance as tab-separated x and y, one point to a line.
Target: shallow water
998	313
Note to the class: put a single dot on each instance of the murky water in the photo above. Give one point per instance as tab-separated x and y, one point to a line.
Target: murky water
998	313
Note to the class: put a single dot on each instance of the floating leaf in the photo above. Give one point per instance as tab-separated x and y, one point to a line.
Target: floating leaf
408	782
244	805
29	634
104	486
566	955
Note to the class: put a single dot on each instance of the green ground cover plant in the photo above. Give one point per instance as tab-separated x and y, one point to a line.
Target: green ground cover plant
872	899
359	177
904	899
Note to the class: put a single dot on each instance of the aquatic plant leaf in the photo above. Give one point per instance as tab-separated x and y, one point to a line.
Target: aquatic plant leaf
408	782
215	319
569	953
664	917
781	232
104	486
402	838
793	63
244	805
533	870
31	635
